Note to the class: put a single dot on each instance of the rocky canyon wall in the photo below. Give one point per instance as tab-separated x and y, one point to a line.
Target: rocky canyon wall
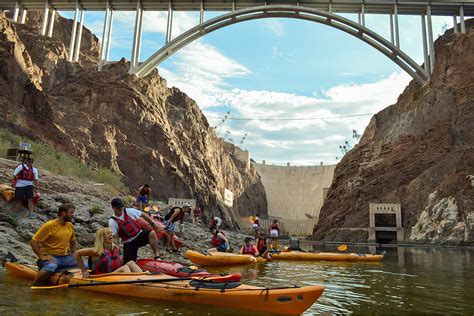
418	152
139	128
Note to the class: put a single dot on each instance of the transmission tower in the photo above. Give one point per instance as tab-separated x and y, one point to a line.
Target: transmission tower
228	136
221	123
355	134
243	139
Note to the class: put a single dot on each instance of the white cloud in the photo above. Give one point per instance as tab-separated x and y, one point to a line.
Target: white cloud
275	26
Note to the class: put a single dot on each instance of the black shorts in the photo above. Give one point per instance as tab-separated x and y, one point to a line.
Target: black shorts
130	250
24	192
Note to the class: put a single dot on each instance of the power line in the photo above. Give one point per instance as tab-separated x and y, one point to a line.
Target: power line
291	119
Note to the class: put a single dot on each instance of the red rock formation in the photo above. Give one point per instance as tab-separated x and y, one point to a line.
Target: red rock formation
418	152
137	127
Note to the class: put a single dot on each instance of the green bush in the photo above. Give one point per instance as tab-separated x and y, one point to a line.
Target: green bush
96	209
62	163
128	201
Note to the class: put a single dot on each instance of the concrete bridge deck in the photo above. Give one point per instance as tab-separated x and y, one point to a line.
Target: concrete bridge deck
411	7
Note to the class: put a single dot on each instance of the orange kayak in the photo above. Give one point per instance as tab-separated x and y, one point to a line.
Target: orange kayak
221	258
325	256
291	300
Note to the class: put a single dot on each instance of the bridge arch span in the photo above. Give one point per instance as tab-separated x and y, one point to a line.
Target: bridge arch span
285	11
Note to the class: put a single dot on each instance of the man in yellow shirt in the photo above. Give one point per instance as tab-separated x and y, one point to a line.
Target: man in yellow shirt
54	244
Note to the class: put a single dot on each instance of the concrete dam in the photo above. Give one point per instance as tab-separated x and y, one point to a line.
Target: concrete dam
294	191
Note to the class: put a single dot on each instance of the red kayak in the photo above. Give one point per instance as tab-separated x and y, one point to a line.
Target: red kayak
160	232
178	270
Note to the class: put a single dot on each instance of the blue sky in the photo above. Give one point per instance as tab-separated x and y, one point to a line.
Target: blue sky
278	69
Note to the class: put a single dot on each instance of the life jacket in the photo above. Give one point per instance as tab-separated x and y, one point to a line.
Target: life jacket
256	221
128	227
216	241
274	227
250	250
26	174
109	261
261	246
177	218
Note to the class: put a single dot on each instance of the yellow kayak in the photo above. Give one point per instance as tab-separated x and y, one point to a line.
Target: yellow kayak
288	300
222	258
325	256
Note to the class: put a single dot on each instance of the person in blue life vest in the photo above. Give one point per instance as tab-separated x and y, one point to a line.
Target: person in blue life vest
124	224
105	256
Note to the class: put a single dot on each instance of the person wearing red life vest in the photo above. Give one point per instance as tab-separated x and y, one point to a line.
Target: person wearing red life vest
124	224
219	241
105	256
274	230
248	248
25	180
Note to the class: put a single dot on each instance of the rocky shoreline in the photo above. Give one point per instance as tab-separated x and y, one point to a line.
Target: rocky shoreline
16	229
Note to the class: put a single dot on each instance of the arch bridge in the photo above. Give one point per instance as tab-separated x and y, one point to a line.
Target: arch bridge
236	11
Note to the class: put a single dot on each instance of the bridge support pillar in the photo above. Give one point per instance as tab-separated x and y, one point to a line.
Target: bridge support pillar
16	12
23	16
44	24
397	33
73	34
104	37
425	45
77	50
137	37
109	35
461	16
51	23
392	36
455	24
362	15
430	38
169	26
201	13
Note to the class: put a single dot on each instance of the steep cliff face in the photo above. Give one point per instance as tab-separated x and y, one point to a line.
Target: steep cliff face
138	127
418	152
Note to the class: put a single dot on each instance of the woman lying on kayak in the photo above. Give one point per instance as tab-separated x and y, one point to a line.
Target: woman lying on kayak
104	257
219	241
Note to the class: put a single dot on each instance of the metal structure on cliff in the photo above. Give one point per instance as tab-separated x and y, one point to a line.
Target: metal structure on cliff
319	11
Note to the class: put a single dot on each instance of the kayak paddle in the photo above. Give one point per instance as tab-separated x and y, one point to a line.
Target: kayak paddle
123	282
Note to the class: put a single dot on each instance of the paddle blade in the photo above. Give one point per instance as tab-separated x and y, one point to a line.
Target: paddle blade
60	286
342	247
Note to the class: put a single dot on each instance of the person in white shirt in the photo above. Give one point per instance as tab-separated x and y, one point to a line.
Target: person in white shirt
25	180
124	224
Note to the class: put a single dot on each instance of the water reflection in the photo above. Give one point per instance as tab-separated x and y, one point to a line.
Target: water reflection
410	280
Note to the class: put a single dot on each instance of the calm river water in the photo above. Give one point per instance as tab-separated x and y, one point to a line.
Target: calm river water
410	280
